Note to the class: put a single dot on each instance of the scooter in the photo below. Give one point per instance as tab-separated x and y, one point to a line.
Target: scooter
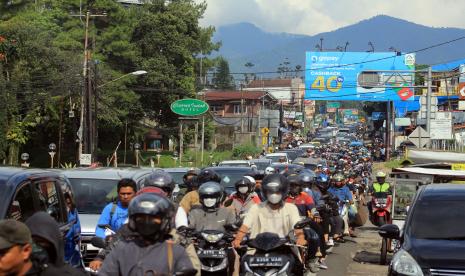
381	209
213	249
275	255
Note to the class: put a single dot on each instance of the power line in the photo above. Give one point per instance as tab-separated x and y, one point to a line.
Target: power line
348	64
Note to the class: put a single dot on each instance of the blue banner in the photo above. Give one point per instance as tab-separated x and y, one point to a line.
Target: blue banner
359	76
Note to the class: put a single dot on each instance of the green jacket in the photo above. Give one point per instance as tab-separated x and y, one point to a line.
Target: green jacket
381	188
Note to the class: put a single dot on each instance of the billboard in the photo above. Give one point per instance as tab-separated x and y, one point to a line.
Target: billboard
359	76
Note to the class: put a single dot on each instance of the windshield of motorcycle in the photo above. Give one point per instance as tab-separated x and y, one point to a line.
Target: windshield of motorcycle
266	241
438	219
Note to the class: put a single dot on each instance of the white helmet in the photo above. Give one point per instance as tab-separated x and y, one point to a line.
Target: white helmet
252	180
269	170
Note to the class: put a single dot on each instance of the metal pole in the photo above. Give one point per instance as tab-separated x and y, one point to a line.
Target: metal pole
125	139
202	146
196	139
84	87
387	143
181	142
428	101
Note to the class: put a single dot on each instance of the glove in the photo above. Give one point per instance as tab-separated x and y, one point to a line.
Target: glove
243	230
300	237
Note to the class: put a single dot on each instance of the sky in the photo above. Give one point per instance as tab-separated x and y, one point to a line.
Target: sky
315	16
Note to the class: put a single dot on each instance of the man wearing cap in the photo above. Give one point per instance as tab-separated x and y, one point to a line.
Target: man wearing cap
15	248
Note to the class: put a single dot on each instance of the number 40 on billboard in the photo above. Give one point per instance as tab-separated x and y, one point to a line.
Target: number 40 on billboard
332	83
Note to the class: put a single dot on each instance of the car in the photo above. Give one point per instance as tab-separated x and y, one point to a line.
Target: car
24	192
230	175
432	241
288	168
261	164
294	153
234	163
277	156
94	189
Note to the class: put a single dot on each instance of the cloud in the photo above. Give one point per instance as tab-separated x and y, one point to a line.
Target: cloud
316	16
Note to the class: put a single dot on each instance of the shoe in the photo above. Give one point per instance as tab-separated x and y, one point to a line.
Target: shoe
313	265
322	264
330	242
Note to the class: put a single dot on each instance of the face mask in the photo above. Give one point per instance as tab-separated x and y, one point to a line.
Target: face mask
274	198
147	229
209	202
243	190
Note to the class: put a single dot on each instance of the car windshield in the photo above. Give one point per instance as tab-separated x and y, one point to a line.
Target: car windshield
275	158
438	219
92	195
177	177
261	166
229	177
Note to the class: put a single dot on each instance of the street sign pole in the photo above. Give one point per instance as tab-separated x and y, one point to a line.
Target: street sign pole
428	101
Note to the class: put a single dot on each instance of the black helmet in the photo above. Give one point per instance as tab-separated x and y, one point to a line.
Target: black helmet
191	183
209	191
152	206
162	180
306	179
243	182
275	183
208	175
295	186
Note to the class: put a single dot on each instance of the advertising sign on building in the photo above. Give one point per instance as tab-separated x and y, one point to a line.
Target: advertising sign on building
359	76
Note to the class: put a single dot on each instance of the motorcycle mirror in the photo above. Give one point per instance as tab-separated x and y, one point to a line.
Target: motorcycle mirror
301	224
98	242
389	231
186	272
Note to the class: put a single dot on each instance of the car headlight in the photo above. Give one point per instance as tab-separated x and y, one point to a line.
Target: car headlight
405	264
212	237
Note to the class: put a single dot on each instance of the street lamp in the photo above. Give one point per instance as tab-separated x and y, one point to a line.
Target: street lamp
135	73
136	149
25	157
52	147
175	157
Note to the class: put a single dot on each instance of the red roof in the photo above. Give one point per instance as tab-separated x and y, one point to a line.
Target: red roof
270	83
233	95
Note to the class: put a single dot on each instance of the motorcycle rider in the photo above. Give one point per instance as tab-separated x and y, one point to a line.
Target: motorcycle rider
274	215
244	197
192	199
149	251
213	217
116	214
344	194
381	186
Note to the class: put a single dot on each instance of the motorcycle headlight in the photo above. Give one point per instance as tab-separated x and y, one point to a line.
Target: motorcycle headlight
213	238
405	264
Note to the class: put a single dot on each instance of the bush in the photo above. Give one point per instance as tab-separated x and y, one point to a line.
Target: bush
242	151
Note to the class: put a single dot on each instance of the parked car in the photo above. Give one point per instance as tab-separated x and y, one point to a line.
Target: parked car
234	163
24	192
94	189
432	241
230	175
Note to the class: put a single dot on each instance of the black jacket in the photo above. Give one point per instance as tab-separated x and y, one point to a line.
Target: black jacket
44	226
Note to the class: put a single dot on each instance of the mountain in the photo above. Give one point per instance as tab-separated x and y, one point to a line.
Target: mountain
244	42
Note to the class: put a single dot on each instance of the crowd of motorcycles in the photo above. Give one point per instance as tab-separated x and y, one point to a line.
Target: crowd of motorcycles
333	218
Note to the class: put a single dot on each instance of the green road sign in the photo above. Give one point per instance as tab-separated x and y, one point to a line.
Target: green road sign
333	105
189	107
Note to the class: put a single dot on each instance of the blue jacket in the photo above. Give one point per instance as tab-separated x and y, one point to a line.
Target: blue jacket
342	193
72	250
117	220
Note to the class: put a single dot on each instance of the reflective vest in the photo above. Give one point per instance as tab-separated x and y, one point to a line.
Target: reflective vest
381	188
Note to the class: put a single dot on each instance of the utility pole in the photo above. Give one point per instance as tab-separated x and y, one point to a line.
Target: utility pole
85	122
428	101
242	109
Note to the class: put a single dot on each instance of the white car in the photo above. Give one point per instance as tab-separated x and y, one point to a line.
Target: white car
275	157
234	163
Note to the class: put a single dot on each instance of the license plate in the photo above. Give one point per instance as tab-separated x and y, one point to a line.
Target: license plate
266	261
211	254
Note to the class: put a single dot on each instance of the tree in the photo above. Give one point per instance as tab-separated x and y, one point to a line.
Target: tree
223	79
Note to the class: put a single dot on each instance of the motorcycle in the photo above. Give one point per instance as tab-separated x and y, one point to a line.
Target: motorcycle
213	249
381	209
275	255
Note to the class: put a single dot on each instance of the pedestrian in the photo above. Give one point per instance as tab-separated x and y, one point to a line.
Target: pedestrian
115	214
